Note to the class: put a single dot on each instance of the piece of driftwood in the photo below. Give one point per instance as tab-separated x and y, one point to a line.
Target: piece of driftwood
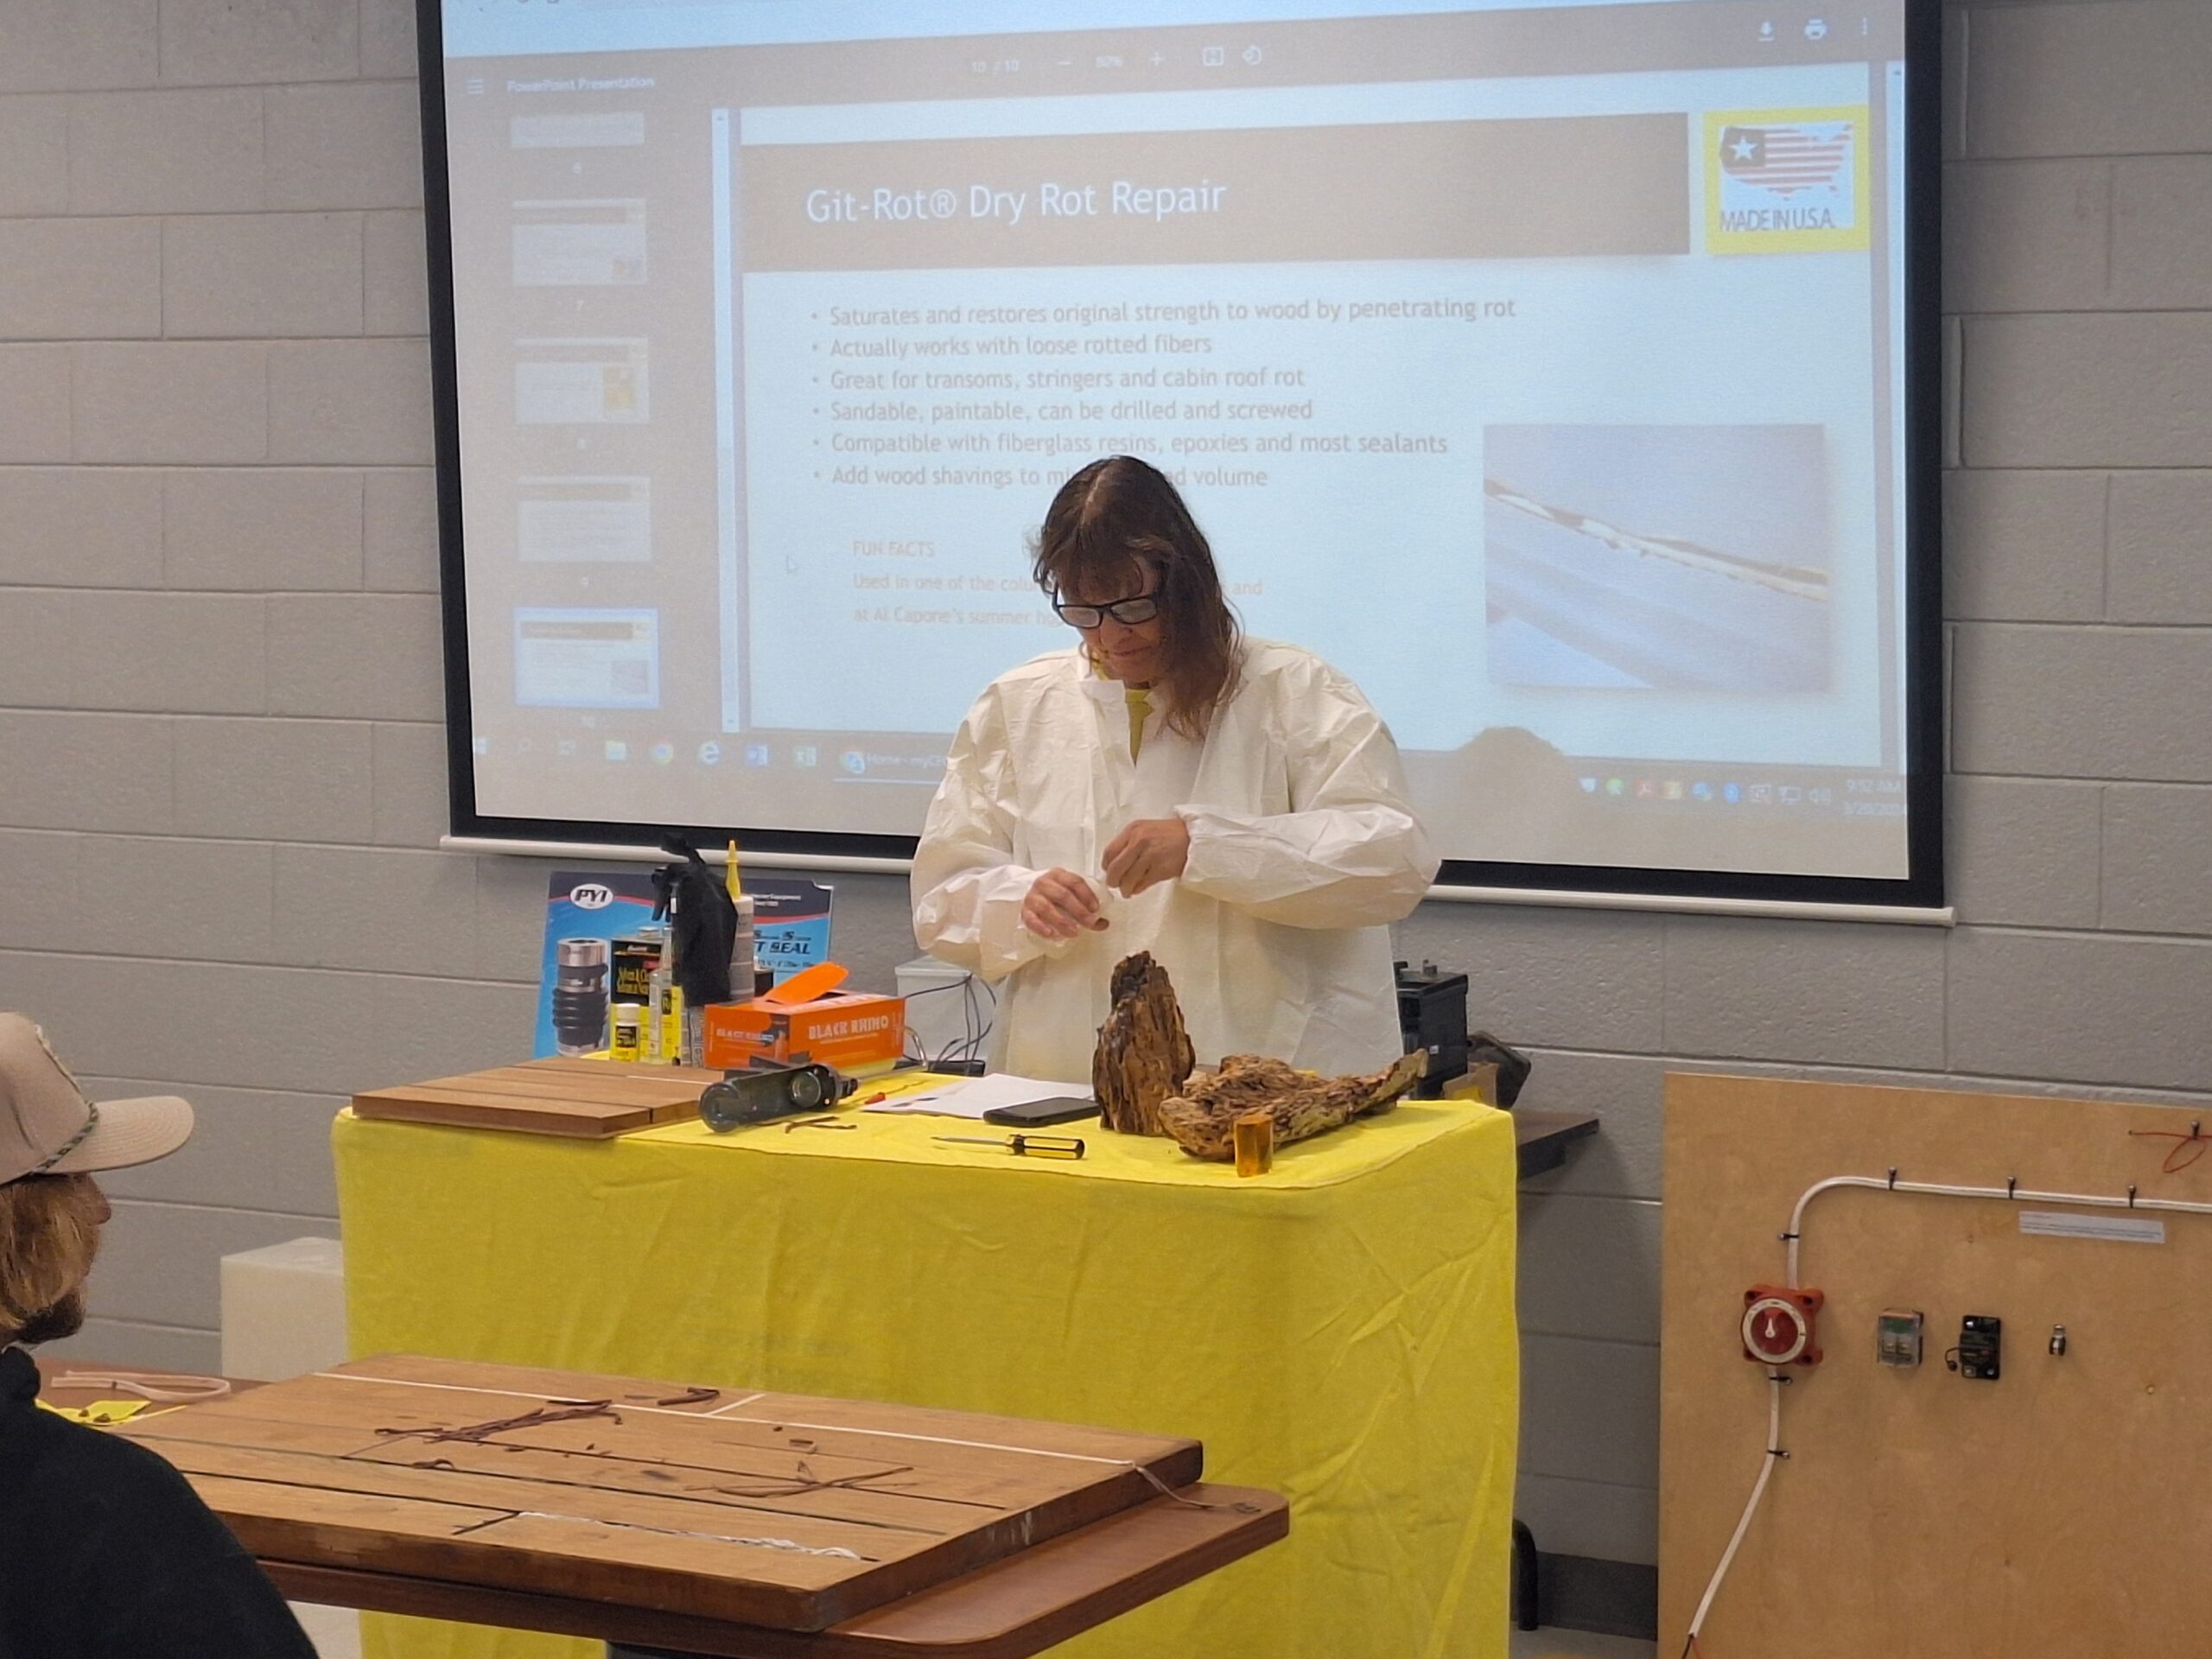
1144	1055
1202	1117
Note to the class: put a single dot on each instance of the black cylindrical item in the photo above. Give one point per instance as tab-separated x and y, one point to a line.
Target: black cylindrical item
579	994
745	1097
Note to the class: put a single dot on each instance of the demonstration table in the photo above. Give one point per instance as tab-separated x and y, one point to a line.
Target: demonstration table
1340	1330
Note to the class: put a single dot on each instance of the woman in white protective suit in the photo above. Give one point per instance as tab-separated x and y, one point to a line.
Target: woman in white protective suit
1233	806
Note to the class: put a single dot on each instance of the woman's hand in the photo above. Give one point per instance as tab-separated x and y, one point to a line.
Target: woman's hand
1061	905
1148	851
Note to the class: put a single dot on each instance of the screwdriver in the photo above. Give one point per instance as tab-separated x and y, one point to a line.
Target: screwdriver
1024	1146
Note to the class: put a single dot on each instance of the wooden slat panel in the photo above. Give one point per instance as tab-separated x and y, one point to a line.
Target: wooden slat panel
804	1486
466	1111
701	1513
899	1431
1009	1611
527	1382
630	1085
469	1474
467	1546
571	1097
738	1445
723	1463
427	1094
584	1065
1069	1440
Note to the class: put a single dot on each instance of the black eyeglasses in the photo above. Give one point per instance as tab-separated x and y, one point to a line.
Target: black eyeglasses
1128	611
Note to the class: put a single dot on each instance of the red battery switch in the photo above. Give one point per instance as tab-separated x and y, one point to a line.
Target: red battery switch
1778	1327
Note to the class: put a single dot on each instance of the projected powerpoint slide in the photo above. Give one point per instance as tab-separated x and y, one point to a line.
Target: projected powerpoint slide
1688	558
578	658
954	368
579	244
1538	365
580	382
579	519
1539	397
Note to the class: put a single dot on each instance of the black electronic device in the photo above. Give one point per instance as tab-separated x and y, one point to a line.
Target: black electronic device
1433	1019
1980	1352
1037	1114
762	1094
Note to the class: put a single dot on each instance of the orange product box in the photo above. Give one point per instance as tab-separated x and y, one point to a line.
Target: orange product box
841	1028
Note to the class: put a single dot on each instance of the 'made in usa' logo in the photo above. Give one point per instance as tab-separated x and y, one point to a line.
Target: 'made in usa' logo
1786	180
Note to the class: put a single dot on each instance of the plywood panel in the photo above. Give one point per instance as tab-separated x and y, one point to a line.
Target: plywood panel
2057	1512
774	1510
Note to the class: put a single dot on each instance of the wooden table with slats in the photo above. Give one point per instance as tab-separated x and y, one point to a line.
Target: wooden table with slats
669	1519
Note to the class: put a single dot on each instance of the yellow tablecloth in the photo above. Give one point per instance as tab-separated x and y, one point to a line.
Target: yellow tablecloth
1341	1330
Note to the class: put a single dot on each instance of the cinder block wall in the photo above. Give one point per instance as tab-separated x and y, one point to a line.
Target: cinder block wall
221	777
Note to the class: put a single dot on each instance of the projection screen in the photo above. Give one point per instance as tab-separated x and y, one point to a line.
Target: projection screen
1563	372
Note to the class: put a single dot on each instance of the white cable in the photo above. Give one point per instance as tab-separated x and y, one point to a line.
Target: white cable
1776	1382
1891	1183
176	1388
2010	1191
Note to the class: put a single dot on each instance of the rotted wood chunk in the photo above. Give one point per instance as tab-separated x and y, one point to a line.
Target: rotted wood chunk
1144	1054
1202	1117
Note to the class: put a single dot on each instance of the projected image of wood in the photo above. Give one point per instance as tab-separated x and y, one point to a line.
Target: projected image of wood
772	1509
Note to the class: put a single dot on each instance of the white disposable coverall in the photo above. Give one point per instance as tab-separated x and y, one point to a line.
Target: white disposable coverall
1302	849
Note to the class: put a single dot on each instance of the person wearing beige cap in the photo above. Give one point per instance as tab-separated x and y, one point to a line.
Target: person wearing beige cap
105	1551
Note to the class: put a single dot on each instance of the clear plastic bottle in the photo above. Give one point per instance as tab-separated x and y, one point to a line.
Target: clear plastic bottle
742	957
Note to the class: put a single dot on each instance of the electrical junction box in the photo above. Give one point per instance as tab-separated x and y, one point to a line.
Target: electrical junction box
1982	1347
1898	1337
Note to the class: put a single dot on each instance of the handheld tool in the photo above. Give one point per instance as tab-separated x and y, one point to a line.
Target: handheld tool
1024	1146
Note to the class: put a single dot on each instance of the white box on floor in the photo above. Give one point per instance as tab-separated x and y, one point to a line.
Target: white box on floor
284	1310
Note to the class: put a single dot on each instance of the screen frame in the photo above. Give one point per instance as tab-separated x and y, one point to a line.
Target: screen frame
1924	714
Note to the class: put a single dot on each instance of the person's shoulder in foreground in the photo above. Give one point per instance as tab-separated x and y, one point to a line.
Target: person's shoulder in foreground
105	1551
110	1552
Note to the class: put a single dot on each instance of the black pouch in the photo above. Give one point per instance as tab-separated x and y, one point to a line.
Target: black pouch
701	924
1513	1066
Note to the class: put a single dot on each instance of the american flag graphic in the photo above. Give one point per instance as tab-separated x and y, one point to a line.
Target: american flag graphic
1786	160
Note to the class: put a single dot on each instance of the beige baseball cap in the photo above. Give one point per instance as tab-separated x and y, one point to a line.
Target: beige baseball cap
49	1127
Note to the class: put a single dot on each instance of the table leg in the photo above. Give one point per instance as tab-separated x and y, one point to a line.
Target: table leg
1527	1580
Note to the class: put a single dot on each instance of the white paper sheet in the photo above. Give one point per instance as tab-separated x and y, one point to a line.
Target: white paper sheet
972	1096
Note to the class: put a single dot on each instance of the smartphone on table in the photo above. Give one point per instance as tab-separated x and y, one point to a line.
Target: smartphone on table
1039	1113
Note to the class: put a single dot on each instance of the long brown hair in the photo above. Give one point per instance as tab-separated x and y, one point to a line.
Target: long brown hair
1121	512
49	1230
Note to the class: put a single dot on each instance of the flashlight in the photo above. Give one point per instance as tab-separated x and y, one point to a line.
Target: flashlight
756	1097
